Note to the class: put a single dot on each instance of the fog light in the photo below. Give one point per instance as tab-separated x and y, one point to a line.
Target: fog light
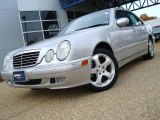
60	79
57	80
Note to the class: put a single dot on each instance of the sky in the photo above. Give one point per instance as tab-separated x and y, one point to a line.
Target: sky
150	11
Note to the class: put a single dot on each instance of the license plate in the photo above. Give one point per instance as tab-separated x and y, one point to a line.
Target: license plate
19	76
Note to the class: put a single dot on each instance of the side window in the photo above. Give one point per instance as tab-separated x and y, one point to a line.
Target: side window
140	22
134	21
120	14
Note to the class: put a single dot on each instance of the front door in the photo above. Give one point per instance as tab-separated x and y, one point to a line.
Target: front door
141	34
126	38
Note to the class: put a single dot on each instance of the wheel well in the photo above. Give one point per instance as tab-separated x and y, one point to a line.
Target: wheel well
105	46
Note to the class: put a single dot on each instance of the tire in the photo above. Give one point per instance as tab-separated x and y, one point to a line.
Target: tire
35	89
150	54
156	41
104	70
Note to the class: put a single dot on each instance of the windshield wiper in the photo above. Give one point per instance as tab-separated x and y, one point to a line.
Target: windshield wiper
92	26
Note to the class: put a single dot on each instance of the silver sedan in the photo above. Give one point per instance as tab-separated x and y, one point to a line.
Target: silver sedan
88	51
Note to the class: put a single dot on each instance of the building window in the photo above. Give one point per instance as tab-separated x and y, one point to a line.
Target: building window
48	34
74	14
31	26
39	25
48	15
50	25
29	15
33	37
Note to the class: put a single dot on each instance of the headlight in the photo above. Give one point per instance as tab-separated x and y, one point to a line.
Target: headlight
49	56
7	62
63	50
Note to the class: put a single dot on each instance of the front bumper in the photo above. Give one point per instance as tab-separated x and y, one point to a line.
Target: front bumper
52	77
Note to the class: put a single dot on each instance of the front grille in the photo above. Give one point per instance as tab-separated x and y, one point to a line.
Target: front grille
25	59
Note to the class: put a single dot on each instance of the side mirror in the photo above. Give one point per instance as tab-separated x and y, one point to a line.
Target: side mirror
122	22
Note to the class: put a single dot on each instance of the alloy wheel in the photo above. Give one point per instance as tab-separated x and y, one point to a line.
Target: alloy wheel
102	70
151	48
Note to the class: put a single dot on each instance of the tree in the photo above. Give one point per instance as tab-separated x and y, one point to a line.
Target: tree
145	17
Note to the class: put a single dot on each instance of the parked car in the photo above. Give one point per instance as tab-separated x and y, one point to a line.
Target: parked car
88	51
156	31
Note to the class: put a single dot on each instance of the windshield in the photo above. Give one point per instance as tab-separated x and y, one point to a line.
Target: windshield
88	21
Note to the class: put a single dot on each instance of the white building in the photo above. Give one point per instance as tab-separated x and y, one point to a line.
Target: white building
10	28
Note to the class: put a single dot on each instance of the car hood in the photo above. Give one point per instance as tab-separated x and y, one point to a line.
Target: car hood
53	43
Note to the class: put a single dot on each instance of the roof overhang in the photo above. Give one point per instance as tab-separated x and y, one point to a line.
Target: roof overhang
105	4
70	3
100	4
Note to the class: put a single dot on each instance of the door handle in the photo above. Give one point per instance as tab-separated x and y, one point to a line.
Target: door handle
144	28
